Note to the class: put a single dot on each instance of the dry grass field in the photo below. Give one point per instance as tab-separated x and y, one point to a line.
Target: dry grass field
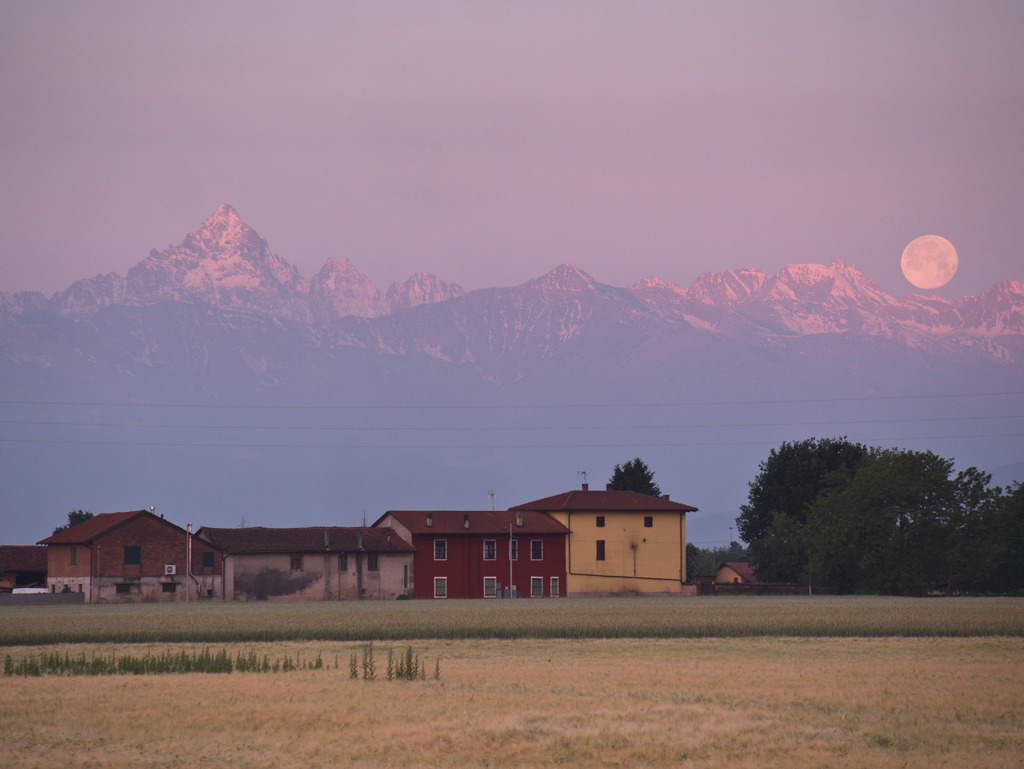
761	700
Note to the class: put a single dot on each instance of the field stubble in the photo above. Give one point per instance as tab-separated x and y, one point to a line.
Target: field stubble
775	694
773	702
214	622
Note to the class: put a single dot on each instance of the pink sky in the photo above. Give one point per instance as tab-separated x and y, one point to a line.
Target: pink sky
487	142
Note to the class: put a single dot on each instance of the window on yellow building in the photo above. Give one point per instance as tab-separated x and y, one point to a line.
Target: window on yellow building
600	549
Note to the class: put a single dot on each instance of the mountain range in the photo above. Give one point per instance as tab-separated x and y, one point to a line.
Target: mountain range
221	320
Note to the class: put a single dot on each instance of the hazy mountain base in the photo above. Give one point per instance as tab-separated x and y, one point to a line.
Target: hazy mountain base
260	395
401	428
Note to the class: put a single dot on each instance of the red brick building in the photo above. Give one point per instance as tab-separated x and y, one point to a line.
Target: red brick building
132	556
479	553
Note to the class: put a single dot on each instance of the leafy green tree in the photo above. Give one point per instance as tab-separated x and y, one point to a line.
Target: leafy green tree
788	482
885	530
1007	574
634	475
74	517
975	532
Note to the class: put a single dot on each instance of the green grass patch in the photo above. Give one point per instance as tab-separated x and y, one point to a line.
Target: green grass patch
407	666
672	617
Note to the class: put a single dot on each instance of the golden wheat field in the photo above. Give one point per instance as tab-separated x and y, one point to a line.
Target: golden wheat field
762	700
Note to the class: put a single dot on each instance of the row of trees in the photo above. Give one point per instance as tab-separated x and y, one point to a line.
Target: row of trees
886	521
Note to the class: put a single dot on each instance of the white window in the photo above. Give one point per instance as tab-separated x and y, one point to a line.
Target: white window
440	549
440	587
490	587
490	549
555	586
536	587
536	549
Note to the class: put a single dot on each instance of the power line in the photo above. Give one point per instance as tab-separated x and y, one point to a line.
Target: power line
513	428
646	444
508	407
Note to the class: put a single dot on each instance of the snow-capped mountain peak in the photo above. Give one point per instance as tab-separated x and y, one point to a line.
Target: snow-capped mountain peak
421	288
565	277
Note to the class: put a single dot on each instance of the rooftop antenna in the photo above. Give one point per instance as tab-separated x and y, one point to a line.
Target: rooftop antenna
491	494
243	523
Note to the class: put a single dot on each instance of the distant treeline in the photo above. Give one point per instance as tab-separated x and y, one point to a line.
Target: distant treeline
860	519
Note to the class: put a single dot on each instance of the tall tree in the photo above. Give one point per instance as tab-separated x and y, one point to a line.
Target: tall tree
884	531
1008	573
74	517
788	482
975	532
634	475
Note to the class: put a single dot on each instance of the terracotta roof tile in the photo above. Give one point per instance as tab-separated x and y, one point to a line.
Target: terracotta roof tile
480	522
307	539
88	530
617	501
22	558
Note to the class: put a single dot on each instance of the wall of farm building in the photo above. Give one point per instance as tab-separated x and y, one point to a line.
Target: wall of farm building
134	589
317	576
589	585
611	552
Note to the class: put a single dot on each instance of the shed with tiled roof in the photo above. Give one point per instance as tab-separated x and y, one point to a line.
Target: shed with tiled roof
22	566
313	562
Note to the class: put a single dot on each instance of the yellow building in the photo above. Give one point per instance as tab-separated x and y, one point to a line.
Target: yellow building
620	541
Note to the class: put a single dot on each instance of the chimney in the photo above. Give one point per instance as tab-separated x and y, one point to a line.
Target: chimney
664	496
465	520
519	520
586	487
430	520
607	487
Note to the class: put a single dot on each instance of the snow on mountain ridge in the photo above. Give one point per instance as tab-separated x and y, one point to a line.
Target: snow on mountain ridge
421	288
226	264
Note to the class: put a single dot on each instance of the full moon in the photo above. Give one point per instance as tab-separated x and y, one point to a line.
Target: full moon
929	261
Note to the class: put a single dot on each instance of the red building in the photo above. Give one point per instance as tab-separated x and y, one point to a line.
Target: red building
462	554
133	556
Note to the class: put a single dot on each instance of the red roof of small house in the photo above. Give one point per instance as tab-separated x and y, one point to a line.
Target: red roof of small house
745	570
86	531
452	522
307	539
606	501
22	558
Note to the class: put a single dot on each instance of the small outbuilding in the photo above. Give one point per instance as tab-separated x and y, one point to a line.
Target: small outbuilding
735	573
22	566
312	563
